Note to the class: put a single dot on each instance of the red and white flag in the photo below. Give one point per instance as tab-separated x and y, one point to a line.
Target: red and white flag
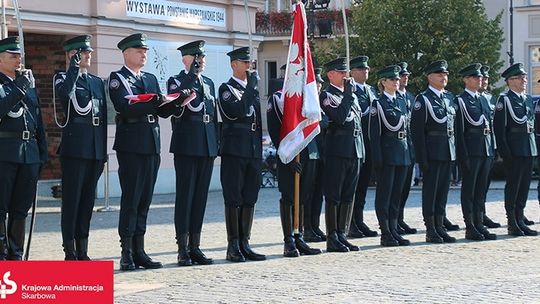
133	99
301	110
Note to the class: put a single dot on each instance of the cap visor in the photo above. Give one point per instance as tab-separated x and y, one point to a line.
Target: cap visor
13	51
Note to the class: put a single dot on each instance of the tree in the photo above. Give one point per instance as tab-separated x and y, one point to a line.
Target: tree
419	32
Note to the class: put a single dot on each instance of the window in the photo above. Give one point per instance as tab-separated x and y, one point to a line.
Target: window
278	5
272	83
535	70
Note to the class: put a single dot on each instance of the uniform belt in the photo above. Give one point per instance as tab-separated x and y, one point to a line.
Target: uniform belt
484	131
521	130
25	135
249	126
448	133
353	132
95	121
398	134
150	118
204	118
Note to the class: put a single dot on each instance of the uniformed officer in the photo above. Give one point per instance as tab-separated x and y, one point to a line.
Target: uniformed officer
390	154
408	97
23	148
137	146
83	149
484	91
514	130
344	154
294	245
432	131
194	144
241	154
475	151
366	94
312	208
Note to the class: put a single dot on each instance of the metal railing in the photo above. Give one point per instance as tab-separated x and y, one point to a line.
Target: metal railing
321	24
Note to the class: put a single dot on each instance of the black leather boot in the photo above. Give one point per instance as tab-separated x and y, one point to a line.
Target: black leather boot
400	230
316	209
232	223
520	221
3	241
320	233
513	228
527	221
140	258
449	226
441	231
289	244
333	244
301	244
309	233
245	233
196	254
387	238
479	223
81	246
471	233
344	218
406	228
183	258
303	247
431	233
289	247
366	230
311	236
489	222
359	221
393	229
126	260
16	239
69	251
354	231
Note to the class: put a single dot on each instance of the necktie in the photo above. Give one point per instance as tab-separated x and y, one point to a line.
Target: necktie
83	77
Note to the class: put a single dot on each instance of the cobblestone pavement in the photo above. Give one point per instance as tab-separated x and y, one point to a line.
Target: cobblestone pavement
502	271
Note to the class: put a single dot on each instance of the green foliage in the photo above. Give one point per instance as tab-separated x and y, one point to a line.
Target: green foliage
419	32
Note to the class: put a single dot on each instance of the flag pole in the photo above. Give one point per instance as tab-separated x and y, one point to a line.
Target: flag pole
296	221
346	28
248	20
348	77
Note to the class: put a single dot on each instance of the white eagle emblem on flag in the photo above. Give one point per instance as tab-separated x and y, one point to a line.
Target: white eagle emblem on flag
295	73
